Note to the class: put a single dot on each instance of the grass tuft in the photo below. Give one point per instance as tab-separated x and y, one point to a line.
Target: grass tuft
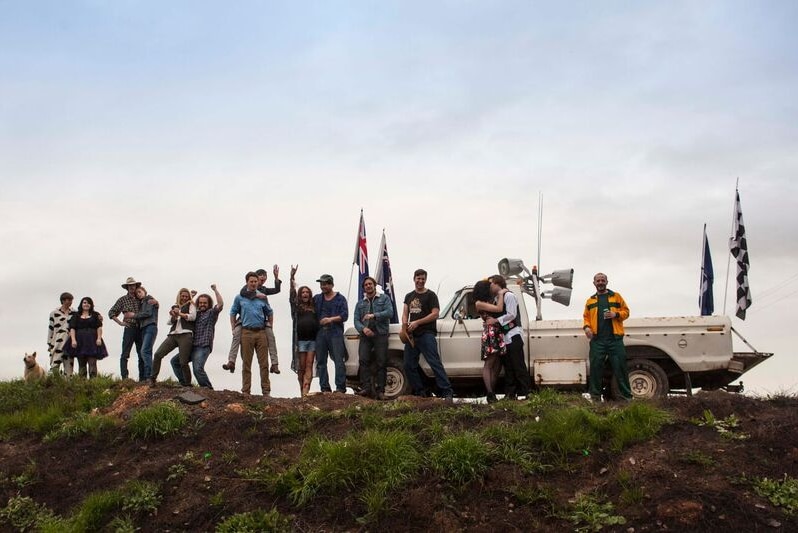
370	464
80	424
461	458
255	522
157	421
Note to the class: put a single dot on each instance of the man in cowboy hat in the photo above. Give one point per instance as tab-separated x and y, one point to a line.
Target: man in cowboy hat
124	305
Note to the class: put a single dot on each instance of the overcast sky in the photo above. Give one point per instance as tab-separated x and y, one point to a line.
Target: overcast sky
184	143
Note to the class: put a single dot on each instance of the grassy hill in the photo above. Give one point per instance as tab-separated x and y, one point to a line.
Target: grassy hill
105	455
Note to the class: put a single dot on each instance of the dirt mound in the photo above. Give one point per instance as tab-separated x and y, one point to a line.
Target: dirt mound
694	475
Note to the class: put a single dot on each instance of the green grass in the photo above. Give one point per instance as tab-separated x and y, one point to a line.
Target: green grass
79	424
371	464
461	458
40	407
255	522
157	421
99	511
637	422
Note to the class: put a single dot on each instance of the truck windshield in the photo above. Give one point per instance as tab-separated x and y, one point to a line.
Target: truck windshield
447	309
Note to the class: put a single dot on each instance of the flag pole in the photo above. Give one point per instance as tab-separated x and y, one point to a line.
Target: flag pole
731	236
354	261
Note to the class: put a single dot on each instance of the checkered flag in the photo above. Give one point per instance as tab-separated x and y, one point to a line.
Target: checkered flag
739	249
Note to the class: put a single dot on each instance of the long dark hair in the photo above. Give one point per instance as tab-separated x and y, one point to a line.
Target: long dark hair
302	306
482	291
92	312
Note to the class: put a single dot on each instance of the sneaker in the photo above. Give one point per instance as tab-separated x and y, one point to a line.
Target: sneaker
448	398
491	398
231	366
365	393
380	396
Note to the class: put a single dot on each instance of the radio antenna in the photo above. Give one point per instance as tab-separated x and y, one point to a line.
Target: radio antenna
540	224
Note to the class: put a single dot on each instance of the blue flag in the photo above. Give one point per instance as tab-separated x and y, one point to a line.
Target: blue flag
706	300
384	277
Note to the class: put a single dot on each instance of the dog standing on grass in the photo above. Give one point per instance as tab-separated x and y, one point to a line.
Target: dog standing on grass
33	371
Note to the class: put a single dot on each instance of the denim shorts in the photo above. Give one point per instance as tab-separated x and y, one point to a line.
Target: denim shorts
306	346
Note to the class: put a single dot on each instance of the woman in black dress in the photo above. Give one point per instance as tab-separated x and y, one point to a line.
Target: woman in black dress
86	338
306	325
493	347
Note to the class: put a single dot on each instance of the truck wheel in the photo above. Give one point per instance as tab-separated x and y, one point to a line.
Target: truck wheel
396	383
646	378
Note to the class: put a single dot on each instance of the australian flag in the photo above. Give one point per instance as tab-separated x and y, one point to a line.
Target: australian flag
385	279
706	300
361	256
739	250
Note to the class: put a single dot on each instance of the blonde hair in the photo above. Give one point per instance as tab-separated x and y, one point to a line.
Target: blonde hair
181	291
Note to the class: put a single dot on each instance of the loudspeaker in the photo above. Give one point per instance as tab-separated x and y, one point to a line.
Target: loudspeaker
560	295
510	267
561	278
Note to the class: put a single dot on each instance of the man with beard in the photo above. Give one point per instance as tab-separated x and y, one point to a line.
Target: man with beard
204	330
128	304
332	311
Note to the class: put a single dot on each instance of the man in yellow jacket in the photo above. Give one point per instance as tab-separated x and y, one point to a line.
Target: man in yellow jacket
604	314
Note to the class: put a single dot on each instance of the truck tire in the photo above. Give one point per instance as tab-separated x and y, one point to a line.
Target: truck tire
396	383
646	378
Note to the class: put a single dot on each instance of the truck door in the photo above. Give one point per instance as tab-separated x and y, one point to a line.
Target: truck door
460	336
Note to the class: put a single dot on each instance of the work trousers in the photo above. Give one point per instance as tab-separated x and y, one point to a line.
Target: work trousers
255	341
614	350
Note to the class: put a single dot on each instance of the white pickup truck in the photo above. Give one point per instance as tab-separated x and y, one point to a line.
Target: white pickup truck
665	354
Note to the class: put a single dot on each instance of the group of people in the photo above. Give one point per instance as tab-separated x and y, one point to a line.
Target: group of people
79	334
318	335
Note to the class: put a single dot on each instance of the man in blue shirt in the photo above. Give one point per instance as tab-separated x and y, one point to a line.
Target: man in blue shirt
332	311
253	314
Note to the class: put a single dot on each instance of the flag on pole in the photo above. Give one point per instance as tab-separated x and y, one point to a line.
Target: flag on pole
361	256
739	250
384	277
706	300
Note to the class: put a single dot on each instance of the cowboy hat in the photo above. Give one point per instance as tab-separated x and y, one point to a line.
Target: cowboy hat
130	281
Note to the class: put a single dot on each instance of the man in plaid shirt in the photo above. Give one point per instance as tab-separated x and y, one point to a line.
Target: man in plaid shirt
132	335
204	329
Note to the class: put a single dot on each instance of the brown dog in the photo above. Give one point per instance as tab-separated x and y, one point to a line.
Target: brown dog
33	372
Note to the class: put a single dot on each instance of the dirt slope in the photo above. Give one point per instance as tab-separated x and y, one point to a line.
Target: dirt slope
690	477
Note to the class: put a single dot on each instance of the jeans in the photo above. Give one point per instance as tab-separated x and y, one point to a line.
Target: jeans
130	336
148	334
428	345
373	350
328	342
198	358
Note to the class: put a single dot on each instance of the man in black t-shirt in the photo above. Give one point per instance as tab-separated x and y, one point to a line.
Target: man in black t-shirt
420	314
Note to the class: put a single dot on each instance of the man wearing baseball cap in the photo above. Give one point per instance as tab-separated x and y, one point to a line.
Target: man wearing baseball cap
332	311
131	335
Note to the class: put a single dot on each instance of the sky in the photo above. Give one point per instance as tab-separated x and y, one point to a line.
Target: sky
185	143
